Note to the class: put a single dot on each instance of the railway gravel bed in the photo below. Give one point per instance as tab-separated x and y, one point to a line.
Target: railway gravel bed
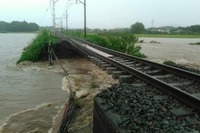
174	79
146	109
193	88
197	71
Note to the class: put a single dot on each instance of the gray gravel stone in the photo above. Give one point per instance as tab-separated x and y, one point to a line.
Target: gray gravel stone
140	111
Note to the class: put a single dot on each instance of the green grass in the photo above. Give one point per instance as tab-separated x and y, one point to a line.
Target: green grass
167	36
34	51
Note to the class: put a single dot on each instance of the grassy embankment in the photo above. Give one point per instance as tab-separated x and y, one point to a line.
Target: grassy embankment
34	51
167	36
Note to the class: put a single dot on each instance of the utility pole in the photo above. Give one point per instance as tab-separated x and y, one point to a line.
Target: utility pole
152	24
61	25
54	14
84	18
84	4
67	21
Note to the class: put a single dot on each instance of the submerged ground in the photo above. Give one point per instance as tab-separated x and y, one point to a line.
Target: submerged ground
174	49
83	75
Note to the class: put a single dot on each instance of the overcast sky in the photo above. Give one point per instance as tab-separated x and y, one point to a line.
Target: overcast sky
104	13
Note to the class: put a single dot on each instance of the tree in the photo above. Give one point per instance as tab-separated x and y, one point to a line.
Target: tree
194	28
17	26
137	28
3	26
33	26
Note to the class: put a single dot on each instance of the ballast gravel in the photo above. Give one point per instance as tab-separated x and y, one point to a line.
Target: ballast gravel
146	109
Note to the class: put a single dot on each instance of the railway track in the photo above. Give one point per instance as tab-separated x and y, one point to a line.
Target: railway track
182	85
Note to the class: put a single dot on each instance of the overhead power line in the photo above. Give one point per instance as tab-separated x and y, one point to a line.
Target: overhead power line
44	15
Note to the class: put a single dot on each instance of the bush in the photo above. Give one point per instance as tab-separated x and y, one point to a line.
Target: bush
197	43
123	42
120	42
76	33
98	40
170	63
34	51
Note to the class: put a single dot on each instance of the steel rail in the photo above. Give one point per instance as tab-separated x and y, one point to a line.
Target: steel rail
171	69
182	96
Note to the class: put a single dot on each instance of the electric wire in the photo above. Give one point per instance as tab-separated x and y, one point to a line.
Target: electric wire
72	108
44	15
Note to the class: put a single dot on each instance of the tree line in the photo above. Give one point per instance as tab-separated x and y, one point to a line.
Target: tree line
139	28
18	26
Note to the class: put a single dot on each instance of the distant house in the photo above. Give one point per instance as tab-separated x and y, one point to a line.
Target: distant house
165	29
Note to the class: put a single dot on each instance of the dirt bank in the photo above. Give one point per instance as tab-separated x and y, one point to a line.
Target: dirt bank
84	75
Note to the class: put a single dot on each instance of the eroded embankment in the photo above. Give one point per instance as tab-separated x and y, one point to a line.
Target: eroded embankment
87	78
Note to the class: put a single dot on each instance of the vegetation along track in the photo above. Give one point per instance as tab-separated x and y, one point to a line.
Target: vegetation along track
181	84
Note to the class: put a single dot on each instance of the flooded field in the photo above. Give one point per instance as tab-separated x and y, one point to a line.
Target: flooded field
174	49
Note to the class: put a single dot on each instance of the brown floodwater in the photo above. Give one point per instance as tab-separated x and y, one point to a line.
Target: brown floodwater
174	49
29	97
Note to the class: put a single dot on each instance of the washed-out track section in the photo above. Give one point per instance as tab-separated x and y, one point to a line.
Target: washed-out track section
182	86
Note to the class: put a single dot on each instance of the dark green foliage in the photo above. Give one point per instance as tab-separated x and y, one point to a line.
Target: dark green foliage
197	43
3	26
137	28
170	63
98	40
33	27
122	42
189	30
17	26
75	32
33	52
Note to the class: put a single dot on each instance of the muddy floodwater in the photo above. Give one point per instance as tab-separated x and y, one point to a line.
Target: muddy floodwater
29	98
174	49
